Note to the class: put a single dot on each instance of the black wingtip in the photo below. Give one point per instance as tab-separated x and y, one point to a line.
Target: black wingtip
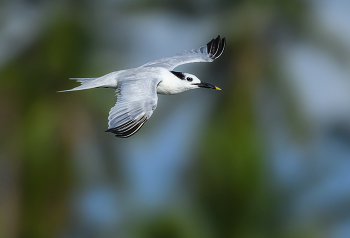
221	48
128	129
216	47
209	46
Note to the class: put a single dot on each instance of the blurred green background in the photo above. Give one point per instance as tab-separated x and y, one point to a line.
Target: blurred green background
268	156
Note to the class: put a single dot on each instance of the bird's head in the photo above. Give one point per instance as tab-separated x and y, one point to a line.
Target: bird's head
190	81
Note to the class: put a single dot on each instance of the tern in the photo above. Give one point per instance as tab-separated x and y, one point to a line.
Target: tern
137	88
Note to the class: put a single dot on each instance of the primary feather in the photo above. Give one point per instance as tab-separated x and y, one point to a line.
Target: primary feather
206	53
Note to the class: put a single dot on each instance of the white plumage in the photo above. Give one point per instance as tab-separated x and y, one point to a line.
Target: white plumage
137	88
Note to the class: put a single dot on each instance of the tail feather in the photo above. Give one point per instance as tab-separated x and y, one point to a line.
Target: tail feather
82	80
107	81
86	83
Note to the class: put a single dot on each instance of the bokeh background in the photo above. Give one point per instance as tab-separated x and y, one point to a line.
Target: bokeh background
268	156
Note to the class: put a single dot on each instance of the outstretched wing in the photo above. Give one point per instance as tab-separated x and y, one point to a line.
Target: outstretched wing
206	53
137	99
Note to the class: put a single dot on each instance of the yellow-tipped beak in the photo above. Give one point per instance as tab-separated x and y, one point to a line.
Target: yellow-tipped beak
206	85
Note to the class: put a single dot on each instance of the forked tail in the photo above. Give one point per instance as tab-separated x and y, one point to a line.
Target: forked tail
86	83
106	81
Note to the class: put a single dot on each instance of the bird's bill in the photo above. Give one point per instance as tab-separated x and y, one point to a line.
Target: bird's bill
206	85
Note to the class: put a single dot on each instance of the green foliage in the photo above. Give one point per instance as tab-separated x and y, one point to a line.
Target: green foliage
30	92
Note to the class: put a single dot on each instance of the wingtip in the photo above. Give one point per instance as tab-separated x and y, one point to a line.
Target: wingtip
216	47
223	42
128	129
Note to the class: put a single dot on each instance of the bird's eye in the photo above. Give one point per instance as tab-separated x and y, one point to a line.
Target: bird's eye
189	79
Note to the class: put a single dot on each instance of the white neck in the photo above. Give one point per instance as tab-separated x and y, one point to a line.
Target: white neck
170	84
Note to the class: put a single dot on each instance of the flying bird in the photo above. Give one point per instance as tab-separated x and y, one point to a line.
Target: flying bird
137	88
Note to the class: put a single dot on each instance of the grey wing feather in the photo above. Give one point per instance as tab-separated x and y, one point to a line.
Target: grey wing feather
136	101
206	53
